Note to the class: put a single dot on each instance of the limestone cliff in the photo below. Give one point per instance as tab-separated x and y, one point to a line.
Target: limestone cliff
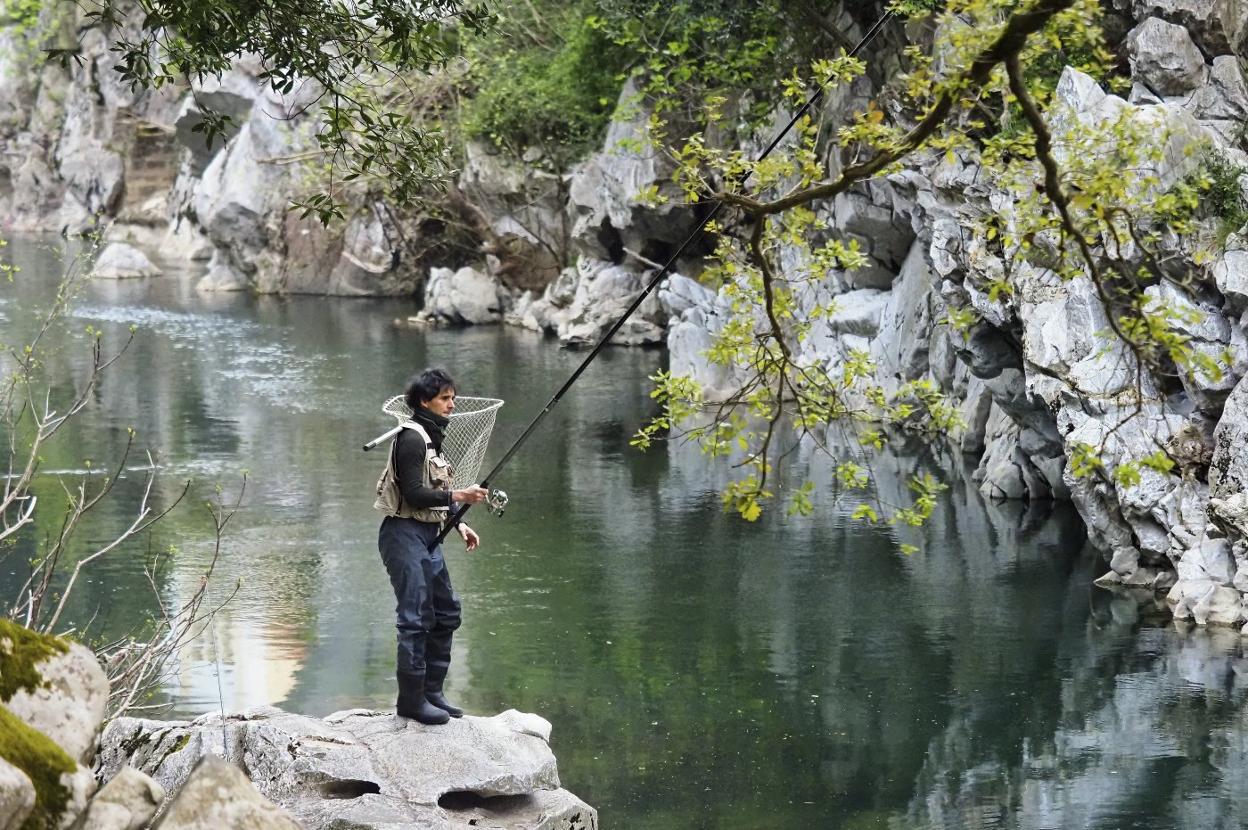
1034	377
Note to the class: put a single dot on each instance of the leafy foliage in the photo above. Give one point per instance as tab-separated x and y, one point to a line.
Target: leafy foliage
1223	192
543	78
354	55
548	76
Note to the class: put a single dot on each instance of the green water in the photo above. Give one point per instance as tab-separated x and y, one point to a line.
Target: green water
699	672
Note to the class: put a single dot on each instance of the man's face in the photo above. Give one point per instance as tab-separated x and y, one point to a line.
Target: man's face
443	404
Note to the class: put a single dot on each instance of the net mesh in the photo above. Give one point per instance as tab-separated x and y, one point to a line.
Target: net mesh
466	437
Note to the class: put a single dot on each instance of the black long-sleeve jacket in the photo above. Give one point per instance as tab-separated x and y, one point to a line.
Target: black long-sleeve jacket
409	462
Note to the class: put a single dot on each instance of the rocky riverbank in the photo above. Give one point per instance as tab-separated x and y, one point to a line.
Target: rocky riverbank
1035	378
262	769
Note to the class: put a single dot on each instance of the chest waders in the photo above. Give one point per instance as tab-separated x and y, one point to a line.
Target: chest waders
427	610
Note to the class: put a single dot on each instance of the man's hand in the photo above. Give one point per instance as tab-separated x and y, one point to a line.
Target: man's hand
470	537
469	495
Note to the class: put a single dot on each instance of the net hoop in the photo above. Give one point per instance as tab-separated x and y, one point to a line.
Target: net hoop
465	438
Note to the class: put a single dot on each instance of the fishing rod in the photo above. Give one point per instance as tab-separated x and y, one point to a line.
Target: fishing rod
654	282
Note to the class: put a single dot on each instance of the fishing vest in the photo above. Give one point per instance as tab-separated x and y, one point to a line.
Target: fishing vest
436	475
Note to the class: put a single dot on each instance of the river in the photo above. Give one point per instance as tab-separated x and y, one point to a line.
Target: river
700	672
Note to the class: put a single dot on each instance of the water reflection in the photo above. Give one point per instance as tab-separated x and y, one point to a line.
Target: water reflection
700	671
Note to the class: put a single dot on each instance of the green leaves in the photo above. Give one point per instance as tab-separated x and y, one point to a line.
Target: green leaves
1083	459
356	58
546	77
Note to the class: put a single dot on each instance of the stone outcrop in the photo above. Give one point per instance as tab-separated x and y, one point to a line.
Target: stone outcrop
79	145
262	769
366	769
1164	58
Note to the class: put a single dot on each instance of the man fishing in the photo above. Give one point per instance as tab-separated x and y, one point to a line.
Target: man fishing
417	501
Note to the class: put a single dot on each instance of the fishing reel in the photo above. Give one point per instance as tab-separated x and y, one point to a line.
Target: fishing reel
496	502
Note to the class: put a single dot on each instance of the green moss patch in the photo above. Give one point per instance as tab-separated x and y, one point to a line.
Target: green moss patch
35	754
21	652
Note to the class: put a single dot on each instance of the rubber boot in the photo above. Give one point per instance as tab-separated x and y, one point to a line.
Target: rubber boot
435	675
412	703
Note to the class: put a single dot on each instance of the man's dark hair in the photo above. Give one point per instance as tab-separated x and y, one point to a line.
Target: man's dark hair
425	386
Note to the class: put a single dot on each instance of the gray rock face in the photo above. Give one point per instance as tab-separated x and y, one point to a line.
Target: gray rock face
121	261
367	768
1224	97
1164	57
17	796
583	303
1230	273
1219	26
679	294
604	193
1228	469
70	708
217	794
127	802
525	205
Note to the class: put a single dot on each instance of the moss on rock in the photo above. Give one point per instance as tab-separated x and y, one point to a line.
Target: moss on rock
21	652
37	755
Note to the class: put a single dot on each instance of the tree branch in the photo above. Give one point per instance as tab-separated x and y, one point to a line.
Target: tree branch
1020	26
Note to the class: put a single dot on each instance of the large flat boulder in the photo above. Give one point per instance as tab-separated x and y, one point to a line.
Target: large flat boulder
367	769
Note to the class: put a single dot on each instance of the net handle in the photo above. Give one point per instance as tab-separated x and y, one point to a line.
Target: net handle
391	408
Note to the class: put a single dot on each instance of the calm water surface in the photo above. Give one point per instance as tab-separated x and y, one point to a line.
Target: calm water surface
700	672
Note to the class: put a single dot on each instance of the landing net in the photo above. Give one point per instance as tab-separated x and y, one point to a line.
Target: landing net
465	438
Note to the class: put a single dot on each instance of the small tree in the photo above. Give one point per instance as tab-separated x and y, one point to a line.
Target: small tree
31	417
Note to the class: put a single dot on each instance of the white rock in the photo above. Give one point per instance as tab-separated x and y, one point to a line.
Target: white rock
1218	606
70	707
1230	273
127	802
122	261
901	348
604	191
17	796
1224	96
859	312
603	292
466	296
1210	560
1228	469
679	294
